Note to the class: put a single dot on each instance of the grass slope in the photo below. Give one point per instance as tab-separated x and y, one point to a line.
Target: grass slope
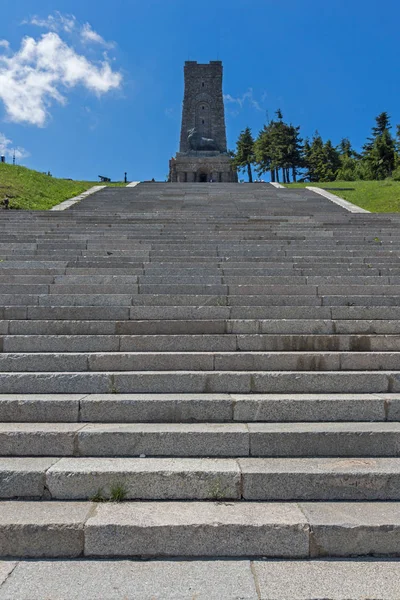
31	190
375	196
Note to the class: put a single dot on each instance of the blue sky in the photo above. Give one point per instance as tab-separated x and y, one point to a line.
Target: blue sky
97	87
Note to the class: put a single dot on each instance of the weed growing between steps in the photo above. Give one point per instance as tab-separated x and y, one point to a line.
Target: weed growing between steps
216	491
113	387
118	493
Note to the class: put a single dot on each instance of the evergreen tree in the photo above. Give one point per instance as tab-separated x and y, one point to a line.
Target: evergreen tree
294	150
331	163
244	156
397	146
278	149
382	124
379	151
314	158
263	151
322	160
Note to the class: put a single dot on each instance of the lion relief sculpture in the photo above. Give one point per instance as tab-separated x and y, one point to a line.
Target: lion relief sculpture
198	142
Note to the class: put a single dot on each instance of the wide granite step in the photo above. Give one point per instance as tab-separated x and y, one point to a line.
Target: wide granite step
198	529
135	579
230	439
165	360
183	382
198	408
291	479
96	342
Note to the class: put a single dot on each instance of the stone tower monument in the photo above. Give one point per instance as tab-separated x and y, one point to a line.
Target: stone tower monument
202	153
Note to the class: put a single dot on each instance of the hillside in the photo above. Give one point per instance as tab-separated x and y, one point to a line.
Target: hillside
31	190
375	196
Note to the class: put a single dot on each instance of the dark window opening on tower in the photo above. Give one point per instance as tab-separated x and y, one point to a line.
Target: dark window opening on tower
202	121
203	107
202	84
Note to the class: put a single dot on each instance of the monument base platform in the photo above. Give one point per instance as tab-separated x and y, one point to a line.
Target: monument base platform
202	167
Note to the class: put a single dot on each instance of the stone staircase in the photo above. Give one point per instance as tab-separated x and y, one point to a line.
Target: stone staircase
225	358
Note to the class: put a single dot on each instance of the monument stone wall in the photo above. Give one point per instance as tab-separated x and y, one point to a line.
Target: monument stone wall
202	153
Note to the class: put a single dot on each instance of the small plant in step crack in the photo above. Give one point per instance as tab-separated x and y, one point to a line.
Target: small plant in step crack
118	493
216	491
113	387
98	497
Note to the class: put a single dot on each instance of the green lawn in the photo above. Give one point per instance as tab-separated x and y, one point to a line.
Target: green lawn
31	190
375	196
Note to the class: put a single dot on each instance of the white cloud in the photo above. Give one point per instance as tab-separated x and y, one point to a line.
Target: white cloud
68	23
4	44
54	22
88	35
7	148
241	100
41	71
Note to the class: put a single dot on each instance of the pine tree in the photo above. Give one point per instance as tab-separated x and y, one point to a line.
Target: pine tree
244	156
379	151
382	124
331	163
314	158
278	149
263	150
397	146
321	159
348	161
294	150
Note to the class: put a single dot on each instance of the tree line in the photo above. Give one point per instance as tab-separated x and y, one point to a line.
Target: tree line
280	150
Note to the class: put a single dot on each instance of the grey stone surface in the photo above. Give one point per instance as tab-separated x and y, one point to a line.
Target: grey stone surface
272	361
353	528
246	278
145	478
23	477
61	343
392	406
55	383
151	361
178	343
324	439
129	580
57	329
156	407
77	312
6	567
367	360
197	529
38	439
395	382
320	478
169	439
42	529
42	362
39	408
341	382
337	580
159	382
309	407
